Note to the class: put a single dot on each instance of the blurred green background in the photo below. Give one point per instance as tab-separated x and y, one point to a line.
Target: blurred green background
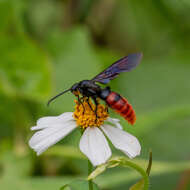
47	45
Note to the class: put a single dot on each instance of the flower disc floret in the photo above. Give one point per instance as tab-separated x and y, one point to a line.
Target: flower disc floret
85	116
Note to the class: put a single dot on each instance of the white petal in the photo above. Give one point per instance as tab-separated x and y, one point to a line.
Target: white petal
47	137
115	122
52	120
95	146
122	140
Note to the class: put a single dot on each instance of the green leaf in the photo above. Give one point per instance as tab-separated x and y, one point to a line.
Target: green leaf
149	164
140	184
65	187
123	162
78	185
115	179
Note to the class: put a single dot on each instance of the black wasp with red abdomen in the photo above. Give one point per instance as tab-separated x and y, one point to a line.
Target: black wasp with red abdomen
89	88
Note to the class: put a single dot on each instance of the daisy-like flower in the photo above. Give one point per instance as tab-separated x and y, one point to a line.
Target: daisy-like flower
93	142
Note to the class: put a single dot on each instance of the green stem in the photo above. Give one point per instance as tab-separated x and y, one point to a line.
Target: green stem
140	170
90	184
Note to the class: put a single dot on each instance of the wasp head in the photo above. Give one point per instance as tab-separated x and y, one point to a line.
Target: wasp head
75	89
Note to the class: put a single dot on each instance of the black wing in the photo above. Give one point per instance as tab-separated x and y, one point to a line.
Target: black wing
123	65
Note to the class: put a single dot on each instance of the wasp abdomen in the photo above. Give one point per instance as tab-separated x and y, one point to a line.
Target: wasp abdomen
121	106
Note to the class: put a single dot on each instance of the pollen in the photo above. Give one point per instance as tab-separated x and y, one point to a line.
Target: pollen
86	116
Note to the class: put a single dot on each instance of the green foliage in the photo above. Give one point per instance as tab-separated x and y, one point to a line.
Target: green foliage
11	13
114	162
25	70
46	46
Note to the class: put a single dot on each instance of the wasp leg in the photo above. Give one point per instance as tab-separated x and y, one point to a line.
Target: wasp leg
96	108
106	107
79	100
89	104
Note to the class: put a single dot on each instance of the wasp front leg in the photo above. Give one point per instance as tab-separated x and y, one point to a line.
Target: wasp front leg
80	102
89	104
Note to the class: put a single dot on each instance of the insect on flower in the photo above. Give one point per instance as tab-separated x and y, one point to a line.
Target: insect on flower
93	118
89	89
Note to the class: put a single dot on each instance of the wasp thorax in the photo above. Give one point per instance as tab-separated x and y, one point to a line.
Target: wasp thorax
85	83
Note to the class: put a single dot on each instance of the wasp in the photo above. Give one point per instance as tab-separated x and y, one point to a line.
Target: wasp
90	89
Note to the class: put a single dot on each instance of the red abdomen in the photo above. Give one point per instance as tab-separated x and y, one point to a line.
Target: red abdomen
121	106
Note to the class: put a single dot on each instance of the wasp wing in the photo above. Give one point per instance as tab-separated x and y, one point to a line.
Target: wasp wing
125	64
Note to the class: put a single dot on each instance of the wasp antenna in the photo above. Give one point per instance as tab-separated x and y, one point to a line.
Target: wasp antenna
57	96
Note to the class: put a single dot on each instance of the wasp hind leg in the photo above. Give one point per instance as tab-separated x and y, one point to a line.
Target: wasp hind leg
106	107
96	108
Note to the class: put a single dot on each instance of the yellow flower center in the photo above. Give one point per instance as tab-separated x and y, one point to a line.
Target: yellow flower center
85	116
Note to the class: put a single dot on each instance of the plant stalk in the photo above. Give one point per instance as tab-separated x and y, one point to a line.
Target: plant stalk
90	184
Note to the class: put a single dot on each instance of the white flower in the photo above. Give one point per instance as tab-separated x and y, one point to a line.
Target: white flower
93	143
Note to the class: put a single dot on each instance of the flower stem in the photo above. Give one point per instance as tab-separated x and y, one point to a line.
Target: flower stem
90	184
